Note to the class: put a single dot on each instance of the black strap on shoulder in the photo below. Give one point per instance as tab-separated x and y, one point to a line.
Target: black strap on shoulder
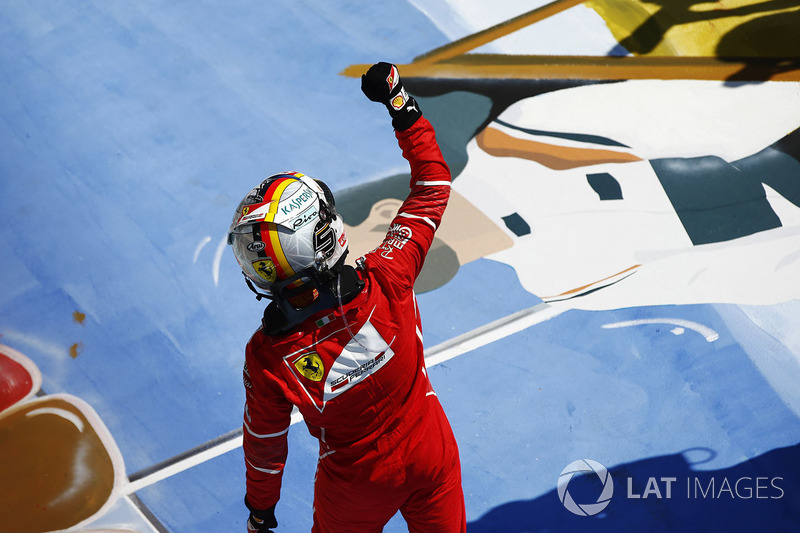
280	317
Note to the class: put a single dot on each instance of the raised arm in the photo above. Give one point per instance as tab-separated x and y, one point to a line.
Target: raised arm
403	250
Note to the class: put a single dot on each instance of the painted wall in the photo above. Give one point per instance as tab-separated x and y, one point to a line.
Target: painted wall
621	250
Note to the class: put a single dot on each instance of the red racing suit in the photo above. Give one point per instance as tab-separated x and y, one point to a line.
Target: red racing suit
361	384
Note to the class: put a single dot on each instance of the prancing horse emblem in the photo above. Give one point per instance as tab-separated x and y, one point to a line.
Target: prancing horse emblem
310	366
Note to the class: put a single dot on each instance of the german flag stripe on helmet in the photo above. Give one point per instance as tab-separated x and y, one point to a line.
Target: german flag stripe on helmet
269	231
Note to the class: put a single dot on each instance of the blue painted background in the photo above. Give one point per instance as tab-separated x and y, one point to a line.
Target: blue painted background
128	133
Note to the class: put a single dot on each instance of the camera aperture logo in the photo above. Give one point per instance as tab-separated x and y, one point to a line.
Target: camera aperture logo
581	466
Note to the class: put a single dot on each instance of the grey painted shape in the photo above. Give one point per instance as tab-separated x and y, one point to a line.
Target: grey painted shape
715	200
605	185
517	225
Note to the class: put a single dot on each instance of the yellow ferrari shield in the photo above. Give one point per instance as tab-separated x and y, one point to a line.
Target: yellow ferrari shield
266	269
310	366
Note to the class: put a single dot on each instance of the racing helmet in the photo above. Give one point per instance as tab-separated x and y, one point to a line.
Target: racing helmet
287	229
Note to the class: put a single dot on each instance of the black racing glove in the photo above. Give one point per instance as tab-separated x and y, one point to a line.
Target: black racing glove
260	521
382	84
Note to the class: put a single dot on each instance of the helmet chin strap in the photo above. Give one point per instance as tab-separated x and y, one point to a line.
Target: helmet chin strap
281	315
259	295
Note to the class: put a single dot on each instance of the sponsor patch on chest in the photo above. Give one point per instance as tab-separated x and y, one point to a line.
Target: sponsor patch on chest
328	369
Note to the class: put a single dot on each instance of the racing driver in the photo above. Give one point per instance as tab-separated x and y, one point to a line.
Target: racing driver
344	345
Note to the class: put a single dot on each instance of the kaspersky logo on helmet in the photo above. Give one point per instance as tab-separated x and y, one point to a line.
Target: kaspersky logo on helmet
297	202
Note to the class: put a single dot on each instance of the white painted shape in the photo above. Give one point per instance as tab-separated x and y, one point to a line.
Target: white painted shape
218	259
780	367
61	413
80	474
786	210
457	19
123	517
709	334
679	118
576	239
588	33
199	248
781	321
36	344
751	270
576	31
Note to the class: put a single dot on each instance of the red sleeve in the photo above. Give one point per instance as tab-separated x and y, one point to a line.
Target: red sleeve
402	252
267	416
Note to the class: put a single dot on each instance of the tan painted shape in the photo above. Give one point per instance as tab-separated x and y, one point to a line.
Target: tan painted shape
369	234
499	144
465	229
469	232
498	66
55	467
76	349
578	291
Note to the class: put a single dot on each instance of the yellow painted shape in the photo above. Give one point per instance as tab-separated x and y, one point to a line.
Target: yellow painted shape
688	27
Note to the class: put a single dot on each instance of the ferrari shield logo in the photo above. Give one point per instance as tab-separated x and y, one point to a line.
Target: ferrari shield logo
266	269
310	366
330	372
